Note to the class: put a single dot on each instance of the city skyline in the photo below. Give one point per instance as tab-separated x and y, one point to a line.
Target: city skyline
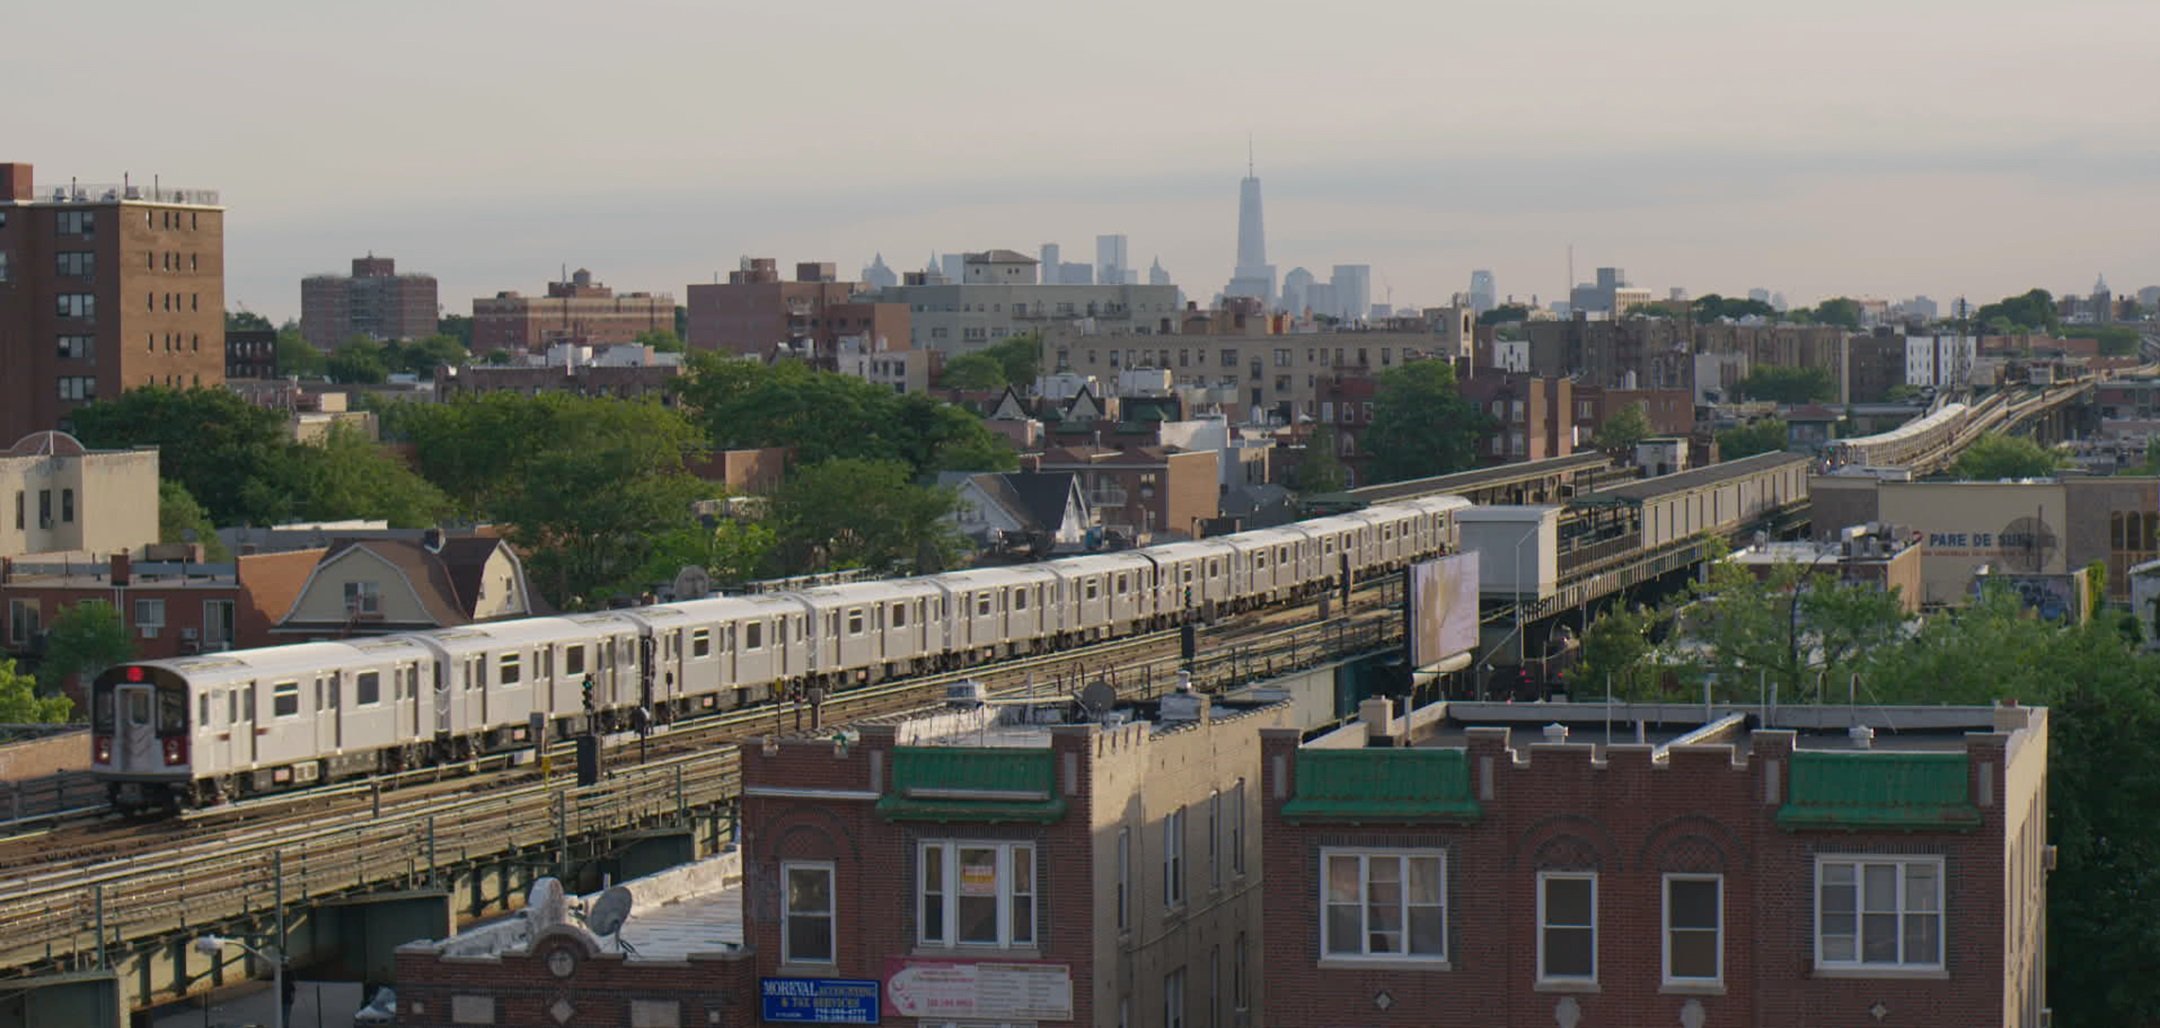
1940	172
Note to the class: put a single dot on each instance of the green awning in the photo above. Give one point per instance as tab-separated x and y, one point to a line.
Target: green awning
974	784
1868	790
1382	786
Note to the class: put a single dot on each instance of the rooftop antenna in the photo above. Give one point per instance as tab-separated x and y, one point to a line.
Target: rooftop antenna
1248	155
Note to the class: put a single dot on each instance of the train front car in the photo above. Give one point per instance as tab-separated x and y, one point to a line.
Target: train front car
140	741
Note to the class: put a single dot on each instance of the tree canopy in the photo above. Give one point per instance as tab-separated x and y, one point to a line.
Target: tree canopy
972	371
247	321
851	513
20	703
1765	436
179	514
85	639
1505	313
1843	312
1624	428
1996	456
1421	426
1711	306
661	340
2030	311
296	357
823	416
1791	386
1319	470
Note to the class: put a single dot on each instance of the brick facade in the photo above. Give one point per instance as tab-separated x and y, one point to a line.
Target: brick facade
519	989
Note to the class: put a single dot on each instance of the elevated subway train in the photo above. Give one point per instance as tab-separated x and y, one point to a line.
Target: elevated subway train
200	730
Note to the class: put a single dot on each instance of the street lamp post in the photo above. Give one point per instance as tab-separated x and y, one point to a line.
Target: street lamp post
212	945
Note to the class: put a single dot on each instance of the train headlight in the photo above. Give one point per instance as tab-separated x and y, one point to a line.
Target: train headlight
101	749
175	749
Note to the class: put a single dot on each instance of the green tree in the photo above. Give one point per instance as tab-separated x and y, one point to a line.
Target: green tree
1615	652
296	358
1421	426
1765	436
247	321
1840	311
179	514
2030	311
85	639
458	327
422	357
731	551
1711	307
20	703
1504	314
847	513
1020	357
1626	427
211	441
972	371
823	416
1786	627
1996	456
349	476
359	361
661	340
932	436
1319	470
2114	340
1790	386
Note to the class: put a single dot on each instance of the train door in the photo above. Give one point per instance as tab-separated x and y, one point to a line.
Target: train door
326	712
444	697
139	750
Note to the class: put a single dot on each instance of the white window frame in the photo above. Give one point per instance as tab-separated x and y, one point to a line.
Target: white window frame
1365	856
363	597
1717	930
1173	858
1173	999
150	615
1903	862
1543	976
831	914
1009	856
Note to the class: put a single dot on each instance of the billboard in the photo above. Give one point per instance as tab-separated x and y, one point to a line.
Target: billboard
1443	598
1009	990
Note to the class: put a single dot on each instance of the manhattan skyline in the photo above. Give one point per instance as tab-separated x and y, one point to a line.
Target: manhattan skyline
487	145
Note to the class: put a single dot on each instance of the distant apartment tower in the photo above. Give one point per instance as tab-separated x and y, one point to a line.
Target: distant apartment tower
579	310
374	302
755	312
1110	262
103	288
1353	291
1053	265
1484	295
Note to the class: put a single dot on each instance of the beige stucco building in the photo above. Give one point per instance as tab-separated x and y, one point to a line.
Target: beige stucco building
65	498
376	586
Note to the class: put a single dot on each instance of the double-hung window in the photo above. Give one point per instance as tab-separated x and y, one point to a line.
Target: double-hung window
1694	929
806	930
1879	912
1567	926
1385	903
1214	839
976	894
1173	858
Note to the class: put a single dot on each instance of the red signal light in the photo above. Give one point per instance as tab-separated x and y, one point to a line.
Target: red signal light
134	674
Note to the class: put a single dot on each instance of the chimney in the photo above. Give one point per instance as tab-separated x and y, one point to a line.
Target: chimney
120	566
1863	737
1556	733
15	182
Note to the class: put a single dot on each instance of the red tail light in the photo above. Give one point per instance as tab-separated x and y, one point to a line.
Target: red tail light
101	749
176	749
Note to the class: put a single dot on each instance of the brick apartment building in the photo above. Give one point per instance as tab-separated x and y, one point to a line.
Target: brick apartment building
374	302
754	312
250	354
1533	418
1495	864
104	288
580	310
1142	492
1282	377
980	868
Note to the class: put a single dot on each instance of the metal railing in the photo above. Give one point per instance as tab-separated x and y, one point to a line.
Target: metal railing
107	192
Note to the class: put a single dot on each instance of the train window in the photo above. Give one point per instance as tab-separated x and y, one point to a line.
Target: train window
1121	585
855	621
1188	574
172	710
700	642
510	670
203	718
412	684
982	603
754	635
232	707
1214	568
1282	553
1259	560
1019	598
573	660
138	708
367	688
1092	587
285	699
899	615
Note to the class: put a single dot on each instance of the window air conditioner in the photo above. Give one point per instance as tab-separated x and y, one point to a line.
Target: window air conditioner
189	634
149	631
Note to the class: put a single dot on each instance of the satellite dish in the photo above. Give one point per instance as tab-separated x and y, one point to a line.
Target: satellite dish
545	905
609	911
1098	697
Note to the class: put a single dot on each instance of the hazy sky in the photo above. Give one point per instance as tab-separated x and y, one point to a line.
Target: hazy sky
1867	147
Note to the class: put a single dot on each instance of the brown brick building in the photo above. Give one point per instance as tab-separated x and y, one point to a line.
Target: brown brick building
1533	418
104	288
374	302
1144	491
983	869
754	312
580	310
1492	864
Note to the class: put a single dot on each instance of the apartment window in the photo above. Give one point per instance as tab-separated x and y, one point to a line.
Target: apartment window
1124	879
150	616
806	927
67	506
25	620
1214	838
367	688
77	387
75	305
1173	999
1282	358
1229	358
77	223
976	894
1567	926
1694	928
1385	903
285	699
1214	987
1237	828
700	642
1173	858
1879	912
1387	356
76	263
508	669
217	623
363	598
76	348
1240	995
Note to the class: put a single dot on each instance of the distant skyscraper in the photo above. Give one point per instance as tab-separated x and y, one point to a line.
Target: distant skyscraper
878	276
1156	276
1110	262
1053	267
953	266
2102	302
1254	275
1353	291
1297	290
1484	295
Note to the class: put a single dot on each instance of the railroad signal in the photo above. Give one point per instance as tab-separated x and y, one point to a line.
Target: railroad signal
591	708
